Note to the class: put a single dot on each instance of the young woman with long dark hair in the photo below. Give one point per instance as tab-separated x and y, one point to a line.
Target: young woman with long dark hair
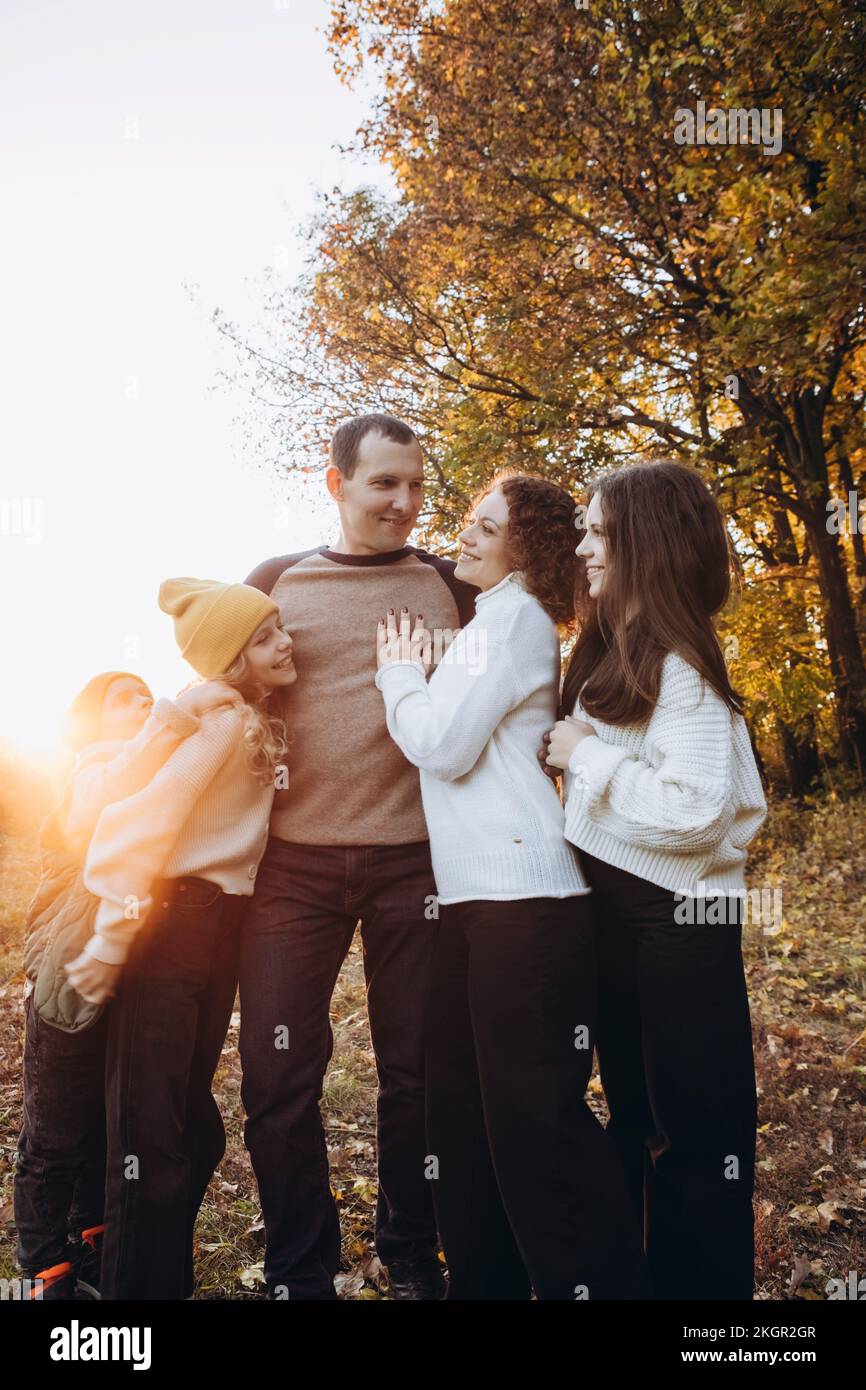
662	799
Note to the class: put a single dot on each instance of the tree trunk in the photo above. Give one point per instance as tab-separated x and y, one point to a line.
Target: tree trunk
756	752
800	753
843	642
800	438
846	478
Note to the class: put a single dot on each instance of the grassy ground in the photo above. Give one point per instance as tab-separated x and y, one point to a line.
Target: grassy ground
806	985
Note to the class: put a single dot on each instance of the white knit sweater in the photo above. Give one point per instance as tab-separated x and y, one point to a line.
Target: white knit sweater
675	800
495	820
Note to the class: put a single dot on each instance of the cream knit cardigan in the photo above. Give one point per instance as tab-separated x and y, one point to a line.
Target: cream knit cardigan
495	820
111	770
203	813
675	800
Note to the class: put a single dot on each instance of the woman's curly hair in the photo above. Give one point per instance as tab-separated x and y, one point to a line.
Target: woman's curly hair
542	537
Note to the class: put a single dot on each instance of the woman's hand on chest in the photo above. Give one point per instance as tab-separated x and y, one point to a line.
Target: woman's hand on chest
403	643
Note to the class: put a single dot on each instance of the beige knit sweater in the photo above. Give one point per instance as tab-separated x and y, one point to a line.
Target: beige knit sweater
349	782
203	813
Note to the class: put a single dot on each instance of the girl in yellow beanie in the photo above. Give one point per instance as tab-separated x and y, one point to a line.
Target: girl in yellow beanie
173	867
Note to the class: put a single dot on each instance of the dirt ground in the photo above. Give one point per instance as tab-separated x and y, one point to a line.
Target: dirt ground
806	985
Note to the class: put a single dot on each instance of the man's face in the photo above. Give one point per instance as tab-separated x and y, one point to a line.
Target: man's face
379	504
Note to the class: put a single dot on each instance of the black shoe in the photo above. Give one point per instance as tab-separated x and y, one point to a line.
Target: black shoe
417	1280
88	1264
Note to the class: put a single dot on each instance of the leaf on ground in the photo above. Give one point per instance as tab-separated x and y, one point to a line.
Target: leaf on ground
802	1269
828	1212
252	1276
349	1285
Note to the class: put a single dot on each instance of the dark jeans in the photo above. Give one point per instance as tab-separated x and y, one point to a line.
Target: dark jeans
60	1173
529	1188
296	933
165	1133
675	1053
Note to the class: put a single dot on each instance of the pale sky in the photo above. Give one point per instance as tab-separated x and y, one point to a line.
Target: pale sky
144	146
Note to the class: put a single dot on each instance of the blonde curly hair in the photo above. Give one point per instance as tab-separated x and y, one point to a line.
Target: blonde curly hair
266	739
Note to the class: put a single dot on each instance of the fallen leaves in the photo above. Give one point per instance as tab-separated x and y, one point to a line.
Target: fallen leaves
253	1276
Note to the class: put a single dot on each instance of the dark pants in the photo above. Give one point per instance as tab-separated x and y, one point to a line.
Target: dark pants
529	1188
675	1053
60	1172
165	1133
296	933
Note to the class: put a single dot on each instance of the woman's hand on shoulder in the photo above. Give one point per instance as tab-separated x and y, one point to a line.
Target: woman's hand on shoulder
202	697
404	643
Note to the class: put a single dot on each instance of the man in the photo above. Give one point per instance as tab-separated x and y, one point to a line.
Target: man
348	841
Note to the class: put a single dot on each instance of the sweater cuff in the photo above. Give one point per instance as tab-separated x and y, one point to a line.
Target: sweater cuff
593	762
179	720
113	932
403	661
109	952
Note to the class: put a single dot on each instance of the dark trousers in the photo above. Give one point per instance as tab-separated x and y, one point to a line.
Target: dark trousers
165	1133
60	1171
528	1187
675	1052
296	933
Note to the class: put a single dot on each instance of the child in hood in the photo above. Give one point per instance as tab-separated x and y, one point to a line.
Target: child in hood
121	739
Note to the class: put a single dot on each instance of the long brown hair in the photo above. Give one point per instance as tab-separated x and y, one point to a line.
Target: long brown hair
668	564
541	539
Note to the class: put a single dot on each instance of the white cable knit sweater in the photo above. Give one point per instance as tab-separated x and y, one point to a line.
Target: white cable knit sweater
675	800
495	820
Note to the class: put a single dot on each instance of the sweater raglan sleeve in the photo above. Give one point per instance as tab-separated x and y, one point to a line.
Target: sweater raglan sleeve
445	726
678	797
96	784
134	837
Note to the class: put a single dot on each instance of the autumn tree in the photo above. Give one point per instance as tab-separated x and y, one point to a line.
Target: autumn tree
567	274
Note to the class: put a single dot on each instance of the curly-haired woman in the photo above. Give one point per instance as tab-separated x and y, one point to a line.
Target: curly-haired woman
527	1186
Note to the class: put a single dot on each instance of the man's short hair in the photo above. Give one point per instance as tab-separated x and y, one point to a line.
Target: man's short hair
347	438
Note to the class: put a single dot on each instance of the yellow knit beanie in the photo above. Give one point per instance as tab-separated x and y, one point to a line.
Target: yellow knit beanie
213	621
